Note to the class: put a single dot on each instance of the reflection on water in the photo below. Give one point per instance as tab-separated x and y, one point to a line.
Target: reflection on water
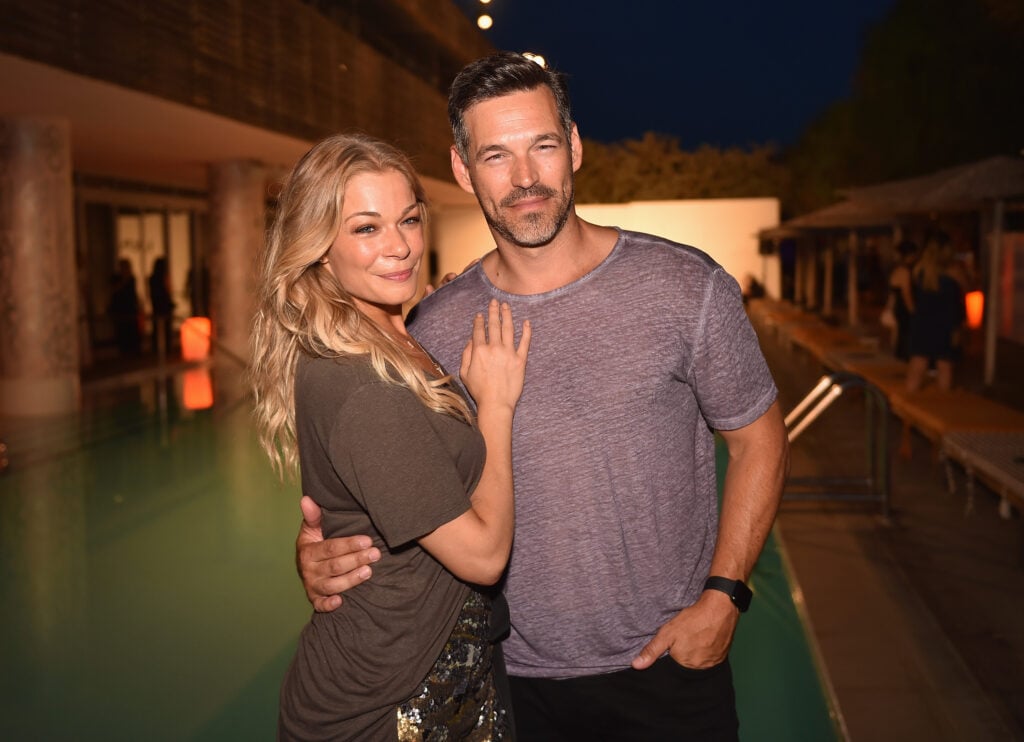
42	549
197	389
146	568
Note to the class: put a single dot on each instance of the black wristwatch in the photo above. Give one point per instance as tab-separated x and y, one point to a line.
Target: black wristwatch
737	591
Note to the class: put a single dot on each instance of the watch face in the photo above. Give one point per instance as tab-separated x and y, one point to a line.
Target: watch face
741	596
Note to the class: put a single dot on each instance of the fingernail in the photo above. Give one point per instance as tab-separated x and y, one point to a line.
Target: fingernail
364	573
374	555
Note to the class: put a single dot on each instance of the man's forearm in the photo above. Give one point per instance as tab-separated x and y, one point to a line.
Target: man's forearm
758	464
328	568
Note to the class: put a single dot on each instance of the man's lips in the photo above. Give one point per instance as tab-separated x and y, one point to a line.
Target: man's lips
526	203
528	196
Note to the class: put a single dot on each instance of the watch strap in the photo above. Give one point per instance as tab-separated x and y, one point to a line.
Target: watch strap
737	591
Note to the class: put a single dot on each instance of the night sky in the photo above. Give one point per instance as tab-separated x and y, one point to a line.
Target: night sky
727	74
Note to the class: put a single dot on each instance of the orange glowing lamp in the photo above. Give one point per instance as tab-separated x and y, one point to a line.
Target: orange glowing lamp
975	303
195	338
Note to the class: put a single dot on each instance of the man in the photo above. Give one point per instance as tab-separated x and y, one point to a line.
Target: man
641	351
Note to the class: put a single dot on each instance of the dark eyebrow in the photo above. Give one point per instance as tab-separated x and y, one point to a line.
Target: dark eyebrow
546	136
557	136
489	149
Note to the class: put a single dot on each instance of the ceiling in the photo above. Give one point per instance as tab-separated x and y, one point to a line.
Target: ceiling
127	135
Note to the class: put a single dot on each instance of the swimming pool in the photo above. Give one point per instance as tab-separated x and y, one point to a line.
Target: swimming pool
148	585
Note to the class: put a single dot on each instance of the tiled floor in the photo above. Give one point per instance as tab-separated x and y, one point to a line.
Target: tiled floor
919	619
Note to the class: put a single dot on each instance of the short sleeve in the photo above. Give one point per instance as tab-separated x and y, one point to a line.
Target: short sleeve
395	463
731	379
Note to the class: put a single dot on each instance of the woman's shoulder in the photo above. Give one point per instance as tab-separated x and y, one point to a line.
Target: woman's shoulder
332	377
351	381
333	365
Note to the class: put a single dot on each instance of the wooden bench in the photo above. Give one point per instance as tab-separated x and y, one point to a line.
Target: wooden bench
936	413
881	369
964	427
993	457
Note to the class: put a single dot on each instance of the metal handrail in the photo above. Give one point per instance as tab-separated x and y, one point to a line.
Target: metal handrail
875	486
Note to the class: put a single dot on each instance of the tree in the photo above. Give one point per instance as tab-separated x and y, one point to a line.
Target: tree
937	86
656	168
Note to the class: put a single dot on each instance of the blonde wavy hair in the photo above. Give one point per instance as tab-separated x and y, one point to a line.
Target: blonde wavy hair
301	306
930	267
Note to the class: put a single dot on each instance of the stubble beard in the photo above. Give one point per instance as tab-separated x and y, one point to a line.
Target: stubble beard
534	229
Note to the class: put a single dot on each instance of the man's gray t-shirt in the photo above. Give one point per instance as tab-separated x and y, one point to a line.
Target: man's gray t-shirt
631	369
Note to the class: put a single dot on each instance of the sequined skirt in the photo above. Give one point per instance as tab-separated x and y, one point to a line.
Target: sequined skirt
457	698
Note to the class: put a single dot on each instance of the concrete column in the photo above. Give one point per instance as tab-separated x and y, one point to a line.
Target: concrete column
798	275
852	310
828	278
237	224
812	277
993	298
39	371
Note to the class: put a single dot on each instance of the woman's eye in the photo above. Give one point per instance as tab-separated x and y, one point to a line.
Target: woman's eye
412	220
364	229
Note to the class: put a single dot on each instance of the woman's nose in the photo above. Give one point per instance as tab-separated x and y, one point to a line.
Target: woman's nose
397	246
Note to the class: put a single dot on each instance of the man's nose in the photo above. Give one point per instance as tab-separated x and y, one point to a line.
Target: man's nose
524	174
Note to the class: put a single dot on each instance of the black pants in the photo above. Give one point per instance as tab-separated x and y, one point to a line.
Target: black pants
664	702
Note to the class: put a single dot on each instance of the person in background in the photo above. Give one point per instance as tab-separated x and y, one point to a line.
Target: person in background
124	309
388	446
901	298
937	317
753	289
626	583
163	307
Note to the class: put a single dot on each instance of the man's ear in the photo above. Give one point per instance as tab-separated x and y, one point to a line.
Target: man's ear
576	146
461	172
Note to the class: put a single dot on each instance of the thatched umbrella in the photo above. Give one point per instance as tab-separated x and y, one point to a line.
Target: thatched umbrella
977	186
963	188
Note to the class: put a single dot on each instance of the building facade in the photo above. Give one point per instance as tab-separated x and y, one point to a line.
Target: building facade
140	131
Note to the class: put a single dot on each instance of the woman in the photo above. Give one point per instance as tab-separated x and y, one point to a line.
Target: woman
387	446
901	298
938	313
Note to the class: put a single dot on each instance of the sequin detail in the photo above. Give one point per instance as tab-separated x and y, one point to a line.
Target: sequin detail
457	700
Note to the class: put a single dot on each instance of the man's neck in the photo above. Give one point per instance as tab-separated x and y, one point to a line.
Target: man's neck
576	250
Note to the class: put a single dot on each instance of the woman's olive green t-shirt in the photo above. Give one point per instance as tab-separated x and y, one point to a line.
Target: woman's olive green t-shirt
378	462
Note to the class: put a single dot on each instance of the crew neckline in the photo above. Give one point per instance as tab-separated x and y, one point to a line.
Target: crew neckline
586	277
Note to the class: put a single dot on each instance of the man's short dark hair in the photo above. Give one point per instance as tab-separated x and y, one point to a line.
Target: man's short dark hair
497	75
